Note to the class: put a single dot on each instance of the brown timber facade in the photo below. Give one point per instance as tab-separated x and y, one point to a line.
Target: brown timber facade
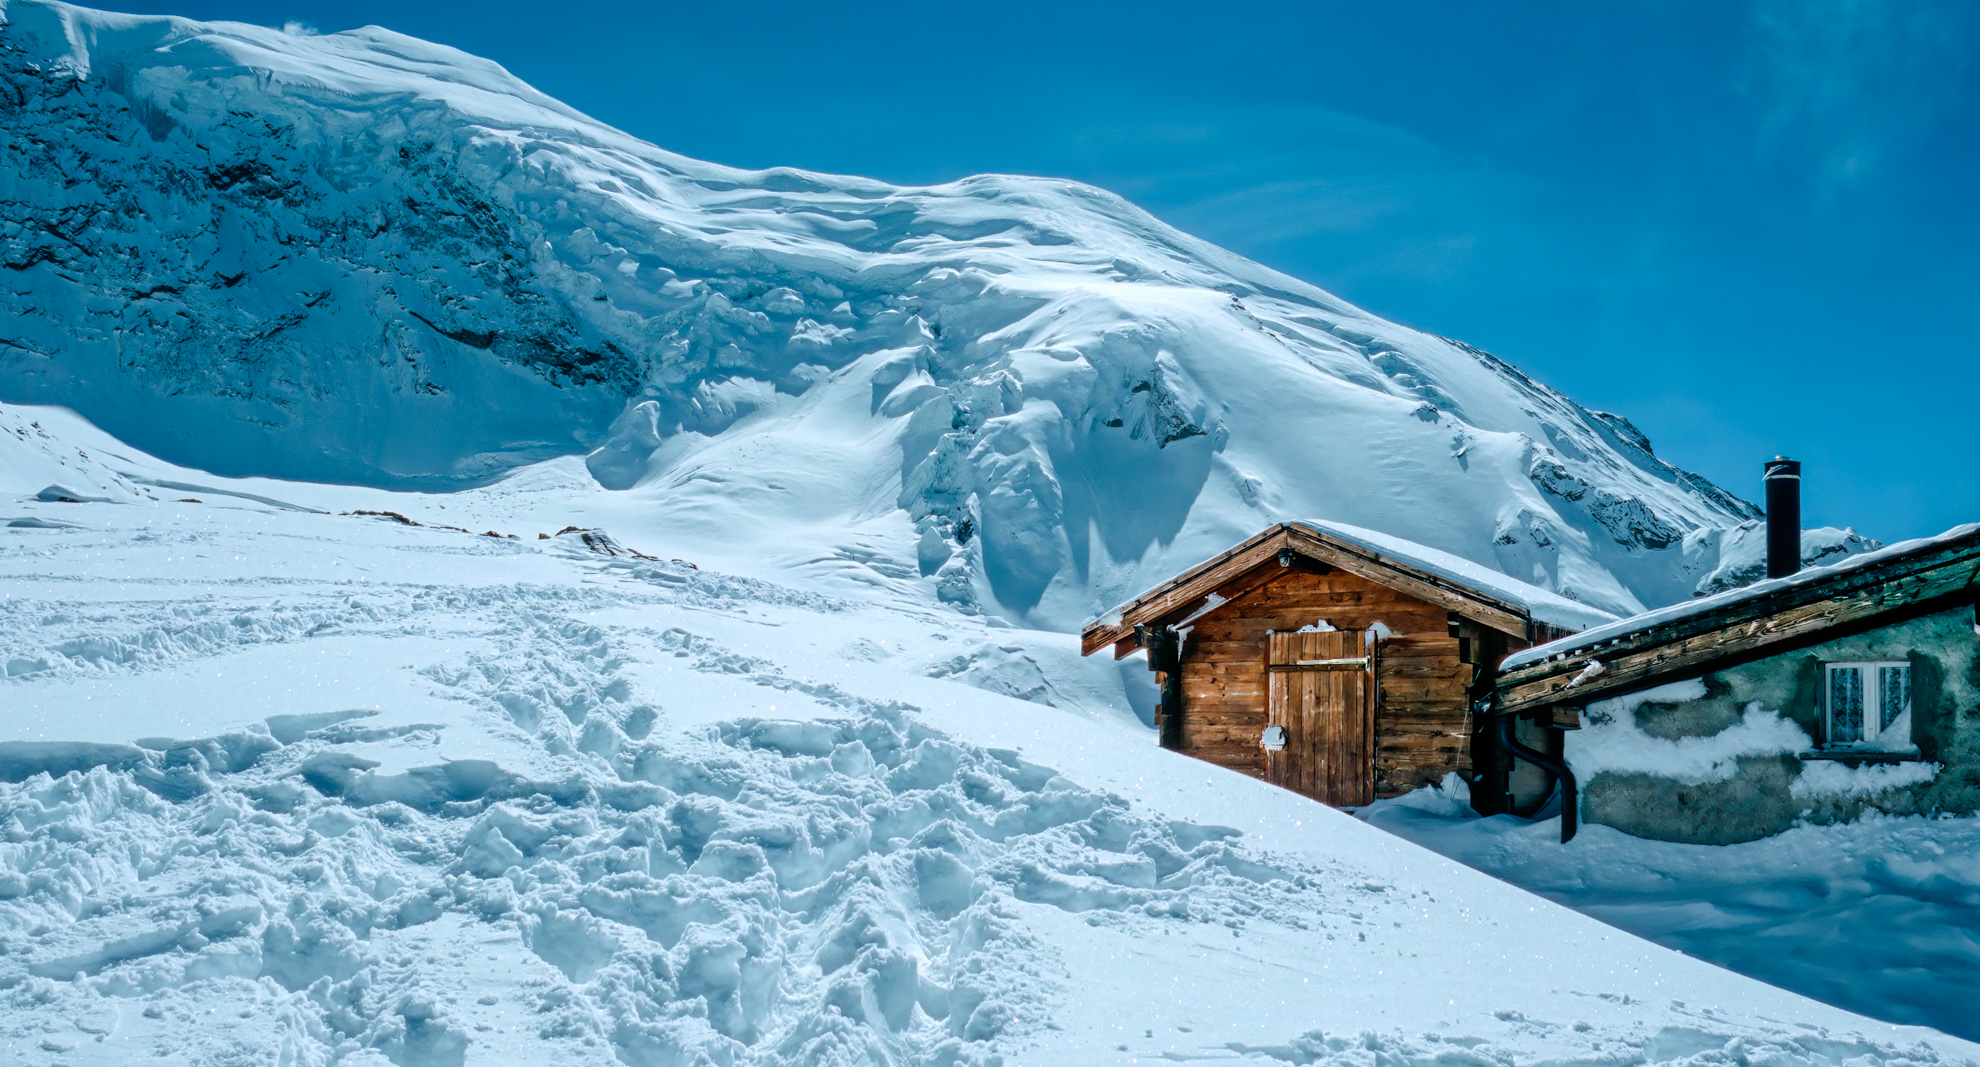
1320	664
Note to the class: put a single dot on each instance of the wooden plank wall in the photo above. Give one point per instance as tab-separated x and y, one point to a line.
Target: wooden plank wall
1421	685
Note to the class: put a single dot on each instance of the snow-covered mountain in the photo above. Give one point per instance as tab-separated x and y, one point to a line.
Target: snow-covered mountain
428	769
364	258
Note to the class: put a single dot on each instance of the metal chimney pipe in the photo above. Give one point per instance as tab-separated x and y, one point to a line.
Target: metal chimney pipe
1783	517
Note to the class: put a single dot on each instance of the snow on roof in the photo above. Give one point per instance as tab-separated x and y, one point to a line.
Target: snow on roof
1541	605
1718	601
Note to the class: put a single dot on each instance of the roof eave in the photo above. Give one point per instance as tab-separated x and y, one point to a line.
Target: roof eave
1175	597
1851	601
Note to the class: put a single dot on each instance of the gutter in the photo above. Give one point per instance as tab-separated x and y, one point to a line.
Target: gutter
1557	768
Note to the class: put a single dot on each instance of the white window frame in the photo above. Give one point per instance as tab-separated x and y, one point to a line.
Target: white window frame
1876	737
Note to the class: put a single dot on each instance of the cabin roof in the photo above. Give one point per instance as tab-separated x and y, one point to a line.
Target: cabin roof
1768	617
1541	605
1451	582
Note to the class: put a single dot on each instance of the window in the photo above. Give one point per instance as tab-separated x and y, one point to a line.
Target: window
1868	706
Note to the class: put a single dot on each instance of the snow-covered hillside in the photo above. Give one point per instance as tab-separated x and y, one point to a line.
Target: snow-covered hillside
363	258
309	775
1880	915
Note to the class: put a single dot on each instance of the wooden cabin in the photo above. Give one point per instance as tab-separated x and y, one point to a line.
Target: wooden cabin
1334	661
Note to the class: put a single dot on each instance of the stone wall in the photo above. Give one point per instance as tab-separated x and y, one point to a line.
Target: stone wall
1719	759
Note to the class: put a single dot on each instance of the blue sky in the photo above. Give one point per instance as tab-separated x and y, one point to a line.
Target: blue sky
1751	226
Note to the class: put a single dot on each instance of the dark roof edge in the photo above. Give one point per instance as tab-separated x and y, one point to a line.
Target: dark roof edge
1916	609
1942	572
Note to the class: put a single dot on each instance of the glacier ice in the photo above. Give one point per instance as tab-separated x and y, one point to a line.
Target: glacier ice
364	258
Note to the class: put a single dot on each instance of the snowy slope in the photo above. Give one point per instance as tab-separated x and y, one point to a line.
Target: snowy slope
282	784
1880	915
364	258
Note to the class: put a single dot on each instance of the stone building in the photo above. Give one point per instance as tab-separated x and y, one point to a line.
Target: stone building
1813	696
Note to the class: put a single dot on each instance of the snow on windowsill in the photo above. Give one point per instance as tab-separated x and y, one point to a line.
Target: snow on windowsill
1865	755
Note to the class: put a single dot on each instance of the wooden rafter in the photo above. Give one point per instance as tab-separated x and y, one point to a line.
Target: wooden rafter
1936	577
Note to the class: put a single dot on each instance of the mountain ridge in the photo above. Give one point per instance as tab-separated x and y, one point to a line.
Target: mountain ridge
361	257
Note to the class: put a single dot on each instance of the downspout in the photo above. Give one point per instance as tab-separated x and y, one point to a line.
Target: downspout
1163	657
1557	768
1492	765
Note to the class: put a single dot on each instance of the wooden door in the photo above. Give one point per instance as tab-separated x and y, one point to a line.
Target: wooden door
1321	688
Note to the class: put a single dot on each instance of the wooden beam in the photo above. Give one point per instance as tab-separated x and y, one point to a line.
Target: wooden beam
1962	555
1745	630
1185	590
1096	637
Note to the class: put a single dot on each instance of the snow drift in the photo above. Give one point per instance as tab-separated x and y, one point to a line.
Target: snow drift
325	776
1875	915
364	258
